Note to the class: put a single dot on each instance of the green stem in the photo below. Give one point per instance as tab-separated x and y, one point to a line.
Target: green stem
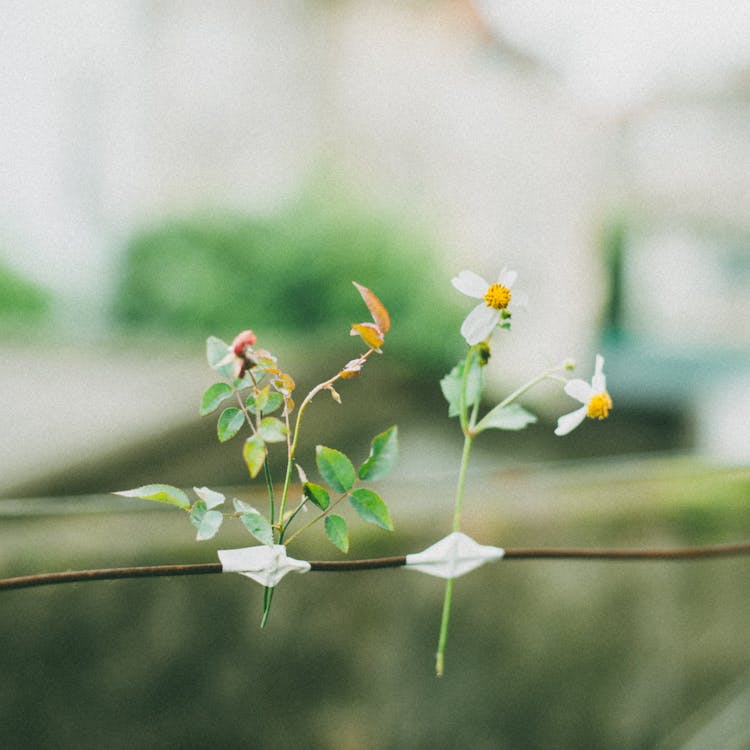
291	450
443	640
293	446
467	424
448	599
267	590
458	506
267	599
316	519
520	391
290	459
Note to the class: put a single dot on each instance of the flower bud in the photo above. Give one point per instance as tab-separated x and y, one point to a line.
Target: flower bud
242	340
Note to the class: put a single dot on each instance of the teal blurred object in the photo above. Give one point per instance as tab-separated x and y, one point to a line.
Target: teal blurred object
291	272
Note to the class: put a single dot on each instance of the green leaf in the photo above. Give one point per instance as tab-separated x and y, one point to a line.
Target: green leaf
337	532
257	401
511	417
450	385
383	453
335	468
316	494
246	381
254	522
267	404
162	493
210	497
370	507
272	430
229	424
213	396
206	521
219	356
254	453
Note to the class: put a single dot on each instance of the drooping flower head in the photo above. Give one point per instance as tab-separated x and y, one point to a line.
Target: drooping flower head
594	397
494	308
242	341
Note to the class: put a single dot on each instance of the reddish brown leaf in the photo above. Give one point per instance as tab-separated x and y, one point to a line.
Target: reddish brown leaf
376	308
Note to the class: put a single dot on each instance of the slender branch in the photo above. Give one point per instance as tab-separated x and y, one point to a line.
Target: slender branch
78	576
342	566
292	447
675	553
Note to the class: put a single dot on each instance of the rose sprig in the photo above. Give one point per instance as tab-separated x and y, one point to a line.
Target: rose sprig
252	378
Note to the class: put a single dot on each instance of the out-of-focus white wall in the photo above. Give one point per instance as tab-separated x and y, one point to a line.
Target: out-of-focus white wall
120	113
124	112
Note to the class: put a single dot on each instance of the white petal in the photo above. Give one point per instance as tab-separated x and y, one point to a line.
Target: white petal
507	278
471	284
569	422
479	324
580	390
599	381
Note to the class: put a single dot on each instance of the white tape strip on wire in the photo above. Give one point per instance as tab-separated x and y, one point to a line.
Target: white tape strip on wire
451	557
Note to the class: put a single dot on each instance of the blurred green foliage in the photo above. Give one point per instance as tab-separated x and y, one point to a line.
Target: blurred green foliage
290	272
21	301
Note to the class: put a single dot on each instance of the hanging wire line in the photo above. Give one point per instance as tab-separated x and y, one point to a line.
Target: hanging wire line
518	553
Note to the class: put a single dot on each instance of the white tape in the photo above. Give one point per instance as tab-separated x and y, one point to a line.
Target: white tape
453	556
265	564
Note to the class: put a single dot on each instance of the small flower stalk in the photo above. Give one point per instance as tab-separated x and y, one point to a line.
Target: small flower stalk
462	388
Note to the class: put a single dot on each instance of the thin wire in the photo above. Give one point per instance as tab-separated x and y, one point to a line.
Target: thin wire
518	553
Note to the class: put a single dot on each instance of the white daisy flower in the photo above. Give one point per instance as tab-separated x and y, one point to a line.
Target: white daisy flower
496	299
594	397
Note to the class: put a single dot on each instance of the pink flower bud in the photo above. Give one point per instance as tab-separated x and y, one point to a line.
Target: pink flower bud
241	340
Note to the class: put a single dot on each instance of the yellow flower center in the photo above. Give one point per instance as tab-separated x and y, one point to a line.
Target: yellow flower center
497	297
599	406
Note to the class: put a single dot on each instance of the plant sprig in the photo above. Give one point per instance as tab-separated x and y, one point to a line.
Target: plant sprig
252	378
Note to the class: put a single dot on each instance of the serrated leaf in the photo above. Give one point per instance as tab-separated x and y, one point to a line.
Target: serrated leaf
219	356
161	493
316	494
256	523
210	497
451	385
272	430
254	453
275	401
257	401
335	468
371	508
511	417
229	424
383	454
246	381
206	521
337	532
213	397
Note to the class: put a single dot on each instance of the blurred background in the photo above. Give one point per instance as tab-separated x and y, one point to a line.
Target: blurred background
176	170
